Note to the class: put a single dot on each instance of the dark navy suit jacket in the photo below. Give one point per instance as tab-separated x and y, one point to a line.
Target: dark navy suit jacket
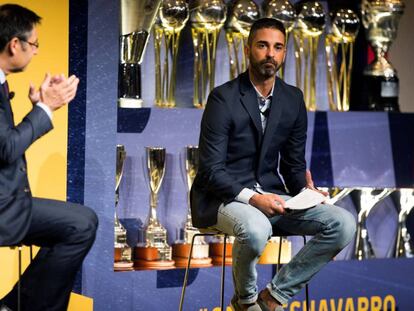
234	153
15	195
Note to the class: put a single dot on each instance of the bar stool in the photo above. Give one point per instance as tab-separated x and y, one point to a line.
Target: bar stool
206	232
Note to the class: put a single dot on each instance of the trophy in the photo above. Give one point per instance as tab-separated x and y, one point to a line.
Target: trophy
173	16
270	254
217	250
309	27
380	19
137	18
207	18
181	248
369	197
123	253
404	199
339	48
283	11
243	13
155	253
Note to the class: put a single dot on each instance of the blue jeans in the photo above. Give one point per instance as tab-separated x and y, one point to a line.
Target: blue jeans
332	229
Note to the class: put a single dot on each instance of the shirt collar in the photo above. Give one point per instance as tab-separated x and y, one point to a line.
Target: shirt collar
2	77
259	94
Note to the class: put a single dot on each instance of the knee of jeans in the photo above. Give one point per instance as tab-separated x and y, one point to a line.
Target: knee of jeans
345	225
254	234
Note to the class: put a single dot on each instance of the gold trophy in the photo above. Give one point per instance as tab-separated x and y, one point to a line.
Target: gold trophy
404	199
243	13
173	16
309	27
123	252
156	253
181	248
207	18
369	197
283	11
380	19
339	47
137	18
270	254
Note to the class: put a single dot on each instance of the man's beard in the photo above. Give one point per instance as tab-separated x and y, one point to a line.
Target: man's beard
266	68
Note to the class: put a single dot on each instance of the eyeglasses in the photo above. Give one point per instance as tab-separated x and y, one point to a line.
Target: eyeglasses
34	44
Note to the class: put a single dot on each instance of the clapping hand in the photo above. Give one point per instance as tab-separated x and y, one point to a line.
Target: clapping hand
55	91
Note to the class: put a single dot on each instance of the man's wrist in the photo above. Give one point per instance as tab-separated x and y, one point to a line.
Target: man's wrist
245	195
45	109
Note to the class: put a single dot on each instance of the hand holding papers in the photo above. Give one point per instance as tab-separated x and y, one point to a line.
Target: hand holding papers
305	199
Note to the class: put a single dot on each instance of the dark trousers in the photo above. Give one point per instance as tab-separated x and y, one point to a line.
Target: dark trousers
65	232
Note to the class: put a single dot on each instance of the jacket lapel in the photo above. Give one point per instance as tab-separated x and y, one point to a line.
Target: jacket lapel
276	108
5	105
249	101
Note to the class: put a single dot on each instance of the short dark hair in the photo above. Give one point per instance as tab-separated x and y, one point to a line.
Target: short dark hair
16	21
265	23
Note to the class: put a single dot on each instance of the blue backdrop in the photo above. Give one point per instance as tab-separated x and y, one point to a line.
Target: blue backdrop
352	149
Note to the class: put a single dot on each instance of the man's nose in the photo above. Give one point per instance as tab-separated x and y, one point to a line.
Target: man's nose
270	52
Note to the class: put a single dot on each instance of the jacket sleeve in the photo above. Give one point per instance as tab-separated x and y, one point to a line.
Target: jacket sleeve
215	129
14	140
292	154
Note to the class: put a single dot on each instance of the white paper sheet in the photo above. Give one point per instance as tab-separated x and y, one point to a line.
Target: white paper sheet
305	199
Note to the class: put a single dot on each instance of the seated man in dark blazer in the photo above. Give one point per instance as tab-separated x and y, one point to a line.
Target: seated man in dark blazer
252	158
64	231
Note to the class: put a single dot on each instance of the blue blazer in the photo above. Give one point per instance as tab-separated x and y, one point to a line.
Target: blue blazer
15	195
234	153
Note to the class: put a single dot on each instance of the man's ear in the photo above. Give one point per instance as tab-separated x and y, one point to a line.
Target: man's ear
12	46
246	51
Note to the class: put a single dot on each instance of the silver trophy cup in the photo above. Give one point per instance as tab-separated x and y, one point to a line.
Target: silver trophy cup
404	202
137	19
123	252
155	234
380	19
368	199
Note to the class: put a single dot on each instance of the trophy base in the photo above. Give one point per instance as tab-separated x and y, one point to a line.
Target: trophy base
122	254
380	93
130	103
216	252
199	259
216	249
146	253
123	266
200	251
270	254
154	265
218	260
181	262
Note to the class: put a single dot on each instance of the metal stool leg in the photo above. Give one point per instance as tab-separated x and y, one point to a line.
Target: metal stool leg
187	270
223	270
31	253
306	285
279	255
19	248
